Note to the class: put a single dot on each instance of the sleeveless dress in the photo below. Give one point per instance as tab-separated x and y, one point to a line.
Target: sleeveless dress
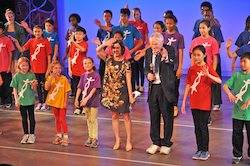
114	89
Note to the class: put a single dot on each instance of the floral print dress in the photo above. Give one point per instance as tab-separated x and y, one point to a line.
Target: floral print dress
114	89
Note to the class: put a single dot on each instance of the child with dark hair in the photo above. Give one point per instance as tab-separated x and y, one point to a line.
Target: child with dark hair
77	53
40	51
199	79
50	35
104	36
176	40
130	33
74	19
165	15
205	6
6	48
239	82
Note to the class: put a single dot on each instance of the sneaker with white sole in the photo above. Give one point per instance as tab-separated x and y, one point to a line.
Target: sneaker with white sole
83	111
165	150
7	105
77	111
236	160
45	107
153	149
204	155
24	139
39	106
31	139
196	155
216	108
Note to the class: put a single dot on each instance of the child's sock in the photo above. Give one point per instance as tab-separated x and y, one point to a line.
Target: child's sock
66	136
59	135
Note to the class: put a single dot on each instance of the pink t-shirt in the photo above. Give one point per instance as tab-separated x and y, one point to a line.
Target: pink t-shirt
211	46
126	54
6	46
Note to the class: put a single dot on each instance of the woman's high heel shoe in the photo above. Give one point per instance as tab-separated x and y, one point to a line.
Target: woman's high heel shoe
117	146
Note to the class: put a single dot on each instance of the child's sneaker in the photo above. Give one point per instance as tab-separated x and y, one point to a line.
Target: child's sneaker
216	108
38	107
58	140
72	95
130	106
31	139
65	142
24	139
204	155
7	105
196	155
236	160
94	143
45	107
88	142
175	111
141	89
83	111
77	111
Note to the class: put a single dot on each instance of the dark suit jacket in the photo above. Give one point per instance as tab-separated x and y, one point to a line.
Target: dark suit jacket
166	72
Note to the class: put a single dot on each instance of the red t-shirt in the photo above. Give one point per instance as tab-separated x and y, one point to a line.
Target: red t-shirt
200	87
39	50
77	58
143	29
6	46
211	46
126	54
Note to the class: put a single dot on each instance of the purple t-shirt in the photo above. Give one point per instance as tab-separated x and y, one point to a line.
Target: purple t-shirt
86	84
175	40
70	31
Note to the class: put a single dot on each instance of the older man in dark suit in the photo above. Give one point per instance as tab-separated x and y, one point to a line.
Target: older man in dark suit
159	65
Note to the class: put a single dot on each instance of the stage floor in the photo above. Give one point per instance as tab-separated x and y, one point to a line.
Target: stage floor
43	152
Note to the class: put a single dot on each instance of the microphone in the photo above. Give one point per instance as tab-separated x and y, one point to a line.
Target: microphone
152	68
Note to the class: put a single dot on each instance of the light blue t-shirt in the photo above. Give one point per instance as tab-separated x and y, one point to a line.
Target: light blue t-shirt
129	33
53	39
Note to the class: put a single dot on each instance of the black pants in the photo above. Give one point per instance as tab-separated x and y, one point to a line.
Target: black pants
158	104
102	69
140	70
30	110
74	83
216	89
5	89
238	137
177	89
200	118
41	92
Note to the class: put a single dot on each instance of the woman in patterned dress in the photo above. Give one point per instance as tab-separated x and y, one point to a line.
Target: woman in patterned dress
117	88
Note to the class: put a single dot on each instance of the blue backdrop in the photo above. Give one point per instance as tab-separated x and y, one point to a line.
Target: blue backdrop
231	15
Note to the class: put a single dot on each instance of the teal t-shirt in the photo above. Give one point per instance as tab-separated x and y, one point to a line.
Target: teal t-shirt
239	82
25	93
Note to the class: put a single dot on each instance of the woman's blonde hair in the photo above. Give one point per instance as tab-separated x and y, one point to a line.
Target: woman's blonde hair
51	66
9	11
21	60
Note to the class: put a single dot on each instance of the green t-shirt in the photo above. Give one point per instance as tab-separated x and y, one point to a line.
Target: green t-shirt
22	83
240	83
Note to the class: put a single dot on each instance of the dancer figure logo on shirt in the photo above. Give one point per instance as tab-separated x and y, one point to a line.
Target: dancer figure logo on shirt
55	91
37	51
86	87
243	90
2	45
50	39
73	61
125	34
24	87
206	44
196	82
170	40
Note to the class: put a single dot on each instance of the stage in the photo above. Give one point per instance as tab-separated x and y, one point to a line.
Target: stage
43	152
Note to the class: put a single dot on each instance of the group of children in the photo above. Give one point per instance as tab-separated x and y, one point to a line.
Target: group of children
43	72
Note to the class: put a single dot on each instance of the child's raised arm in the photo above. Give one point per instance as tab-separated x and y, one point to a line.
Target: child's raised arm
207	74
26	27
231	97
105	28
183	107
228	45
48	83
71	38
20	49
100	49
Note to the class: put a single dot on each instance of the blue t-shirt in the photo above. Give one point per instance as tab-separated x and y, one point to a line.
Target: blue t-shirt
129	33
216	30
243	49
53	39
104	35
244	38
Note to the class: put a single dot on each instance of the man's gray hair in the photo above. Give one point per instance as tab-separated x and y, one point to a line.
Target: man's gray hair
157	36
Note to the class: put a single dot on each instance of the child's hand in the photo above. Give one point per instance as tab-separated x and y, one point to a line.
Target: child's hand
139	54
33	83
65	57
24	24
9	69
232	98
12	38
132	100
245	105
65	105
83	102
71	38
1	83
97	22
205	70
97	42
229	42
183	108
126	6
110	42
77	103
70	74
17	104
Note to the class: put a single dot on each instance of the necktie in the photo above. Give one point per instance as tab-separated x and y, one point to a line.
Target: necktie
157	62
